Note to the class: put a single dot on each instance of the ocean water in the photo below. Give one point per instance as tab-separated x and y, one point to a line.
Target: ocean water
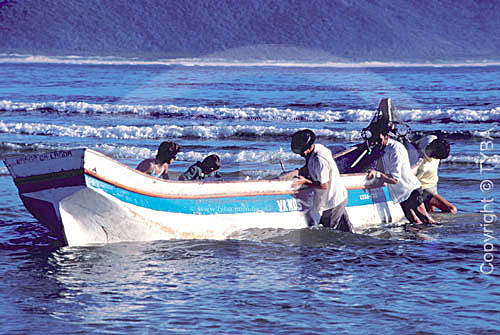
434	280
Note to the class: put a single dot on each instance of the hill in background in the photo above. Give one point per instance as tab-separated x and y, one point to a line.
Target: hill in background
353	30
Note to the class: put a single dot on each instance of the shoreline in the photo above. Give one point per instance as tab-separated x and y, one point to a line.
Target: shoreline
16	58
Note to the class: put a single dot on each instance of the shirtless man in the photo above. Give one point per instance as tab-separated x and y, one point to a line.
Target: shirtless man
158	167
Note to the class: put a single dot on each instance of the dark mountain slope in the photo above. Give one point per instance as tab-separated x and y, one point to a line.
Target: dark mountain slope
326	29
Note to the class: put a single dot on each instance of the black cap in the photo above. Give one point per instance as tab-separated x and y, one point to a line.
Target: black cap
211	162
302	140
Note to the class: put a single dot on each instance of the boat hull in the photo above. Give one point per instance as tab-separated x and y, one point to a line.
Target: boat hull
85	197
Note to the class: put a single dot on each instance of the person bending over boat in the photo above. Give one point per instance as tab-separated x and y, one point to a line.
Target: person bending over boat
330	194
433	150
201	170
158	167
404	186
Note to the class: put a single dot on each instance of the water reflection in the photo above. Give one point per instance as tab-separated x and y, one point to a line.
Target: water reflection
272	275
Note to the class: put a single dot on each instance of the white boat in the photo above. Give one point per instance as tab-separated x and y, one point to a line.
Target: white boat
85	197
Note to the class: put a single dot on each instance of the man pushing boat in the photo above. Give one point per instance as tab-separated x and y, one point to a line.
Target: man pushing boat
330	194
404	186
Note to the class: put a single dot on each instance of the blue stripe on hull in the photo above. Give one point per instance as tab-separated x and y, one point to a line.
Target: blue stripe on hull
360	197
224	205
231	205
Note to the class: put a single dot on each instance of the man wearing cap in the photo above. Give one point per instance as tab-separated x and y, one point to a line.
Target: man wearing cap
403	185
330	194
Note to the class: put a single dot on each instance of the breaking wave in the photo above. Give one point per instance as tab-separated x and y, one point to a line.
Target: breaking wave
164	131
206	131
219	61
135	153
251	113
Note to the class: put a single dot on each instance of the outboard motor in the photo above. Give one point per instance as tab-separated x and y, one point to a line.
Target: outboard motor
387	115
368	152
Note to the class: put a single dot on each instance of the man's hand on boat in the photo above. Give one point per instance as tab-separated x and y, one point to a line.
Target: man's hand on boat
299	181
288	175
373	174
380	177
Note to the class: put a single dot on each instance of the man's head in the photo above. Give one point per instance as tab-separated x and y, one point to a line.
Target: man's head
439	149
210	164
303	141
380	133
167	152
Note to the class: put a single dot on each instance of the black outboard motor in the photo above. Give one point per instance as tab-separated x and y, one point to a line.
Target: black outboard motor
387	116
366	154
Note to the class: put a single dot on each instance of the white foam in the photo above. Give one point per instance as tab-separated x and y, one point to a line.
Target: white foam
83	107
262	156
243	156
197	113
3	170
487	133
111	60
461	116
164	131
270	114
240	156
487	160
118	152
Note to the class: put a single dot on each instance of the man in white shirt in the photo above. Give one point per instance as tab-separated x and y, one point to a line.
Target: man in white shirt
404	187
433	150
330	194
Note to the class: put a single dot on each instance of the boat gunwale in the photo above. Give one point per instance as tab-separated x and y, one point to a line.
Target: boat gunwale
212	182
185	196
209	195
91	172
357	174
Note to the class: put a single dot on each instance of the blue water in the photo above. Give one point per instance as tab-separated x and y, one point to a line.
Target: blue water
397	281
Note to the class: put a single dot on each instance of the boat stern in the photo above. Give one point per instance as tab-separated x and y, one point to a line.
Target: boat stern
44	179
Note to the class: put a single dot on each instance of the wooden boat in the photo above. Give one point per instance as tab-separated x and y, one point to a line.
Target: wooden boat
86	197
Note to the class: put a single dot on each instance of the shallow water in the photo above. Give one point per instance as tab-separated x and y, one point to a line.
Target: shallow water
284	282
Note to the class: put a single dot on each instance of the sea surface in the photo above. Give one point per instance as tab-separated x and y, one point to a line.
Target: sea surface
442	279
